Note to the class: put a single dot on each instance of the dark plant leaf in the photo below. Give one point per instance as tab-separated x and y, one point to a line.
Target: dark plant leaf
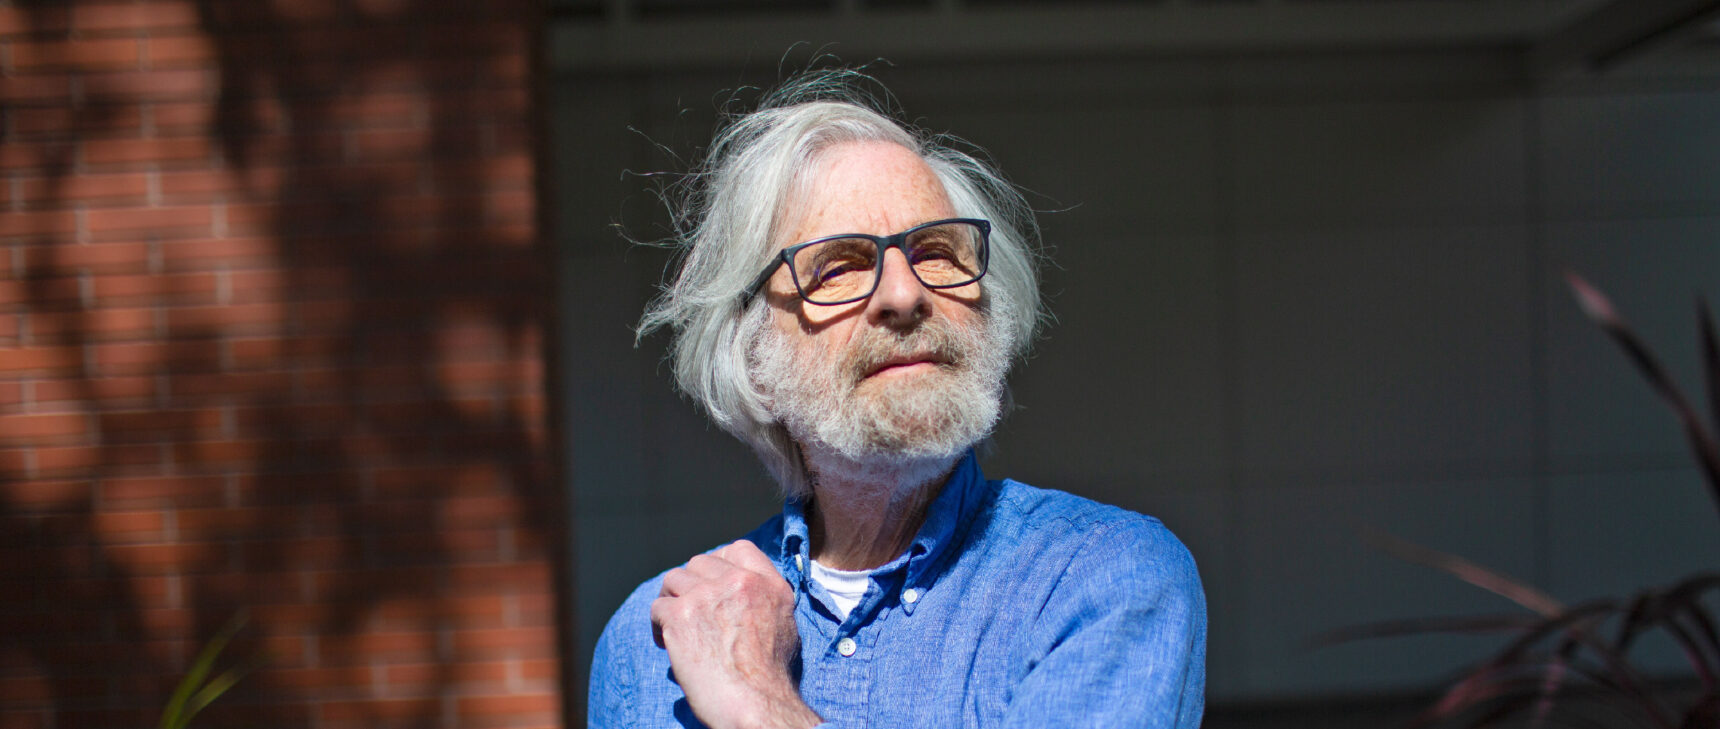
1513	623
1697	613
1601	311
1710	358
1704	715
1511	589
1552	680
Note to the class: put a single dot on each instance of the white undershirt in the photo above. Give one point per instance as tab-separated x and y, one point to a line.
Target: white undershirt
845	587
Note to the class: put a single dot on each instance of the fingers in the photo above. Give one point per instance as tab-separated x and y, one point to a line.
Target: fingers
746	555
659	608
679	581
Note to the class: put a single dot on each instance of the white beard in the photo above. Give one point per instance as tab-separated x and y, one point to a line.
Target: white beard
900	431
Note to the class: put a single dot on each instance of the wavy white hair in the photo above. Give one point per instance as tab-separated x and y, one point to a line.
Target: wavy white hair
726	215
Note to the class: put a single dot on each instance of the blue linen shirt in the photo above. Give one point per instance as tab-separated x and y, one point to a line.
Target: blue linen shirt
1013	607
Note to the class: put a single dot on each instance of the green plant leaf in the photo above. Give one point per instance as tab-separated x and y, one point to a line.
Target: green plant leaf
180	706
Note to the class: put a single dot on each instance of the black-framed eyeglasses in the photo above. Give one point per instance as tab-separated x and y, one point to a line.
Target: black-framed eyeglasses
840	269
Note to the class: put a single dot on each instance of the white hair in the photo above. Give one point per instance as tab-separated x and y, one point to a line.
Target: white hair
726	215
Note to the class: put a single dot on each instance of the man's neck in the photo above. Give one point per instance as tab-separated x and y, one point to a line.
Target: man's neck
861	523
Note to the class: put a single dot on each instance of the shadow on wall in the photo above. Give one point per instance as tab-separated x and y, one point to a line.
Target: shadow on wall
283	302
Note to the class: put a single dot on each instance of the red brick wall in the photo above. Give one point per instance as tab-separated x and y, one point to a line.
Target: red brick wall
273	305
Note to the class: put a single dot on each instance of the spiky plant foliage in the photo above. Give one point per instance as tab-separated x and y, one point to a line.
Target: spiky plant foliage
1570	665
197	690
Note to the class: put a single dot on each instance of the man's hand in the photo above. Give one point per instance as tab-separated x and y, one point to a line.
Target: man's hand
727	620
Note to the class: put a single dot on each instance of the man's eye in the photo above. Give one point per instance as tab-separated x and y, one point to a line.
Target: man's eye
932	251
835	269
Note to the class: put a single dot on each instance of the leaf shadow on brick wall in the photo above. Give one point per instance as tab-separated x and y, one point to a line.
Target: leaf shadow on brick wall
343	417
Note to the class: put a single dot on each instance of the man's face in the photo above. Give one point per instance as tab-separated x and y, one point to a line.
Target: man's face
910	373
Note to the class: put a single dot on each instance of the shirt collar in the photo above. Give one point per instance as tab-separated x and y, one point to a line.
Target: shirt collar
947	517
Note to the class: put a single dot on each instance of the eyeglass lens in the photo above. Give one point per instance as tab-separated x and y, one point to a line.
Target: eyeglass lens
844	269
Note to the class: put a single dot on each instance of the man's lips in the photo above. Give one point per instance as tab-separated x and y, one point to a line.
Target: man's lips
903	363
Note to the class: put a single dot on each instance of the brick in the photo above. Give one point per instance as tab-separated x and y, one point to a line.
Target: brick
394	711
181	116
15	20
493	172
387	144
477	479
477	579
39	222
37	494
456	611
177	186
41	293
251	318
544	704
122	151
24	429
107	189
188	388
263	592
165	422
160	559
170	622
321	417
426	677
198	218
89	17
31	157
182	491
130	358
274	352
366	648
372	110
321	680
76	122
109	390
214	452
540	670
11	396
85	459
153	85
40	359
532	642
301	553
96	325
285	617
453	546
216	523
208	253
67	258
170	52
491	38
135	523
269	284
47	89
175	288
83	53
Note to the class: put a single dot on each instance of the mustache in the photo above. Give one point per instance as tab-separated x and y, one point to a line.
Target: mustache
936	339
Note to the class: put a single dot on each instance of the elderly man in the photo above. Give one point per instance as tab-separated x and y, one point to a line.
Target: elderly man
851	296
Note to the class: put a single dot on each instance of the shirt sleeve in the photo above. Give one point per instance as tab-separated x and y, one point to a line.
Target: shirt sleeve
1121	641
620	661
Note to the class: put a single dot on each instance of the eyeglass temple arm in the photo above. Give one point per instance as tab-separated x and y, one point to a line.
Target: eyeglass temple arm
762	279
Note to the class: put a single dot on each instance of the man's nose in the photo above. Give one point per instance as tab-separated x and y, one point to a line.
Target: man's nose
900	299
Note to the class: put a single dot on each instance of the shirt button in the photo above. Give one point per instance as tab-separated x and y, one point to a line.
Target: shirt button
798	563
910	596
845	646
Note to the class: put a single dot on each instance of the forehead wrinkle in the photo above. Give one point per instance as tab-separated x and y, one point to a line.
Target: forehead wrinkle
878	188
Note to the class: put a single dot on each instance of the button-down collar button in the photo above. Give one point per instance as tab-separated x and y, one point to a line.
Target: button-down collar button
910	596
845	646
